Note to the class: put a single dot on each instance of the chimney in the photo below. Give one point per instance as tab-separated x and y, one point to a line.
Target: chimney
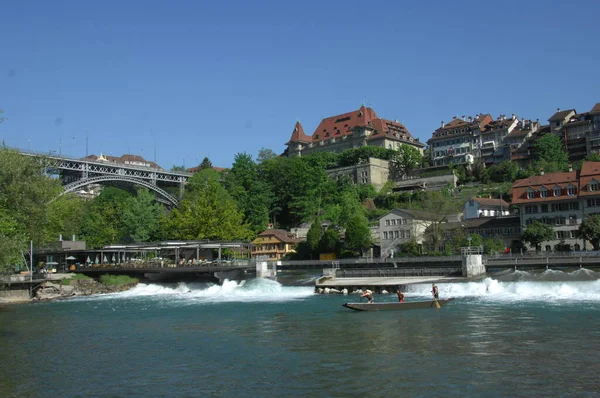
570	167
60	238
542	171
442	124
470	118
513	116
453	117
463	117
557	109
523	124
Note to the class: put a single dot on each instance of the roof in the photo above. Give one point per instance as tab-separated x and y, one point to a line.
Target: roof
477	122
298	135
595	109
491	202
124	159
198	168
494	222
281	234
518	133
416	214
343	125
561	115
550	181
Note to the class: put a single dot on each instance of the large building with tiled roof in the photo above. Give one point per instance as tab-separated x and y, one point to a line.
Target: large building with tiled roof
273	244
127	159
580	132
561	200
351	130
454	142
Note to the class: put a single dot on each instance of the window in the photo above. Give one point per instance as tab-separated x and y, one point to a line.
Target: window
385	235
593	202
574	206
387	223
408	234
394	221
571	191
397	234
544	209
543	192
531	209
593	186
557	191
530	194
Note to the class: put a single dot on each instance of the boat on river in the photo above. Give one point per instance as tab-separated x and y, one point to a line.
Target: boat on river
411	305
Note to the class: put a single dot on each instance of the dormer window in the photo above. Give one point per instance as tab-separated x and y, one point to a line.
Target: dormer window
530	194
593	186
557	191
543	192
571	191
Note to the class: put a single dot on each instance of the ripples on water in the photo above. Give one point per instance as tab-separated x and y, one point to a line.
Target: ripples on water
525	335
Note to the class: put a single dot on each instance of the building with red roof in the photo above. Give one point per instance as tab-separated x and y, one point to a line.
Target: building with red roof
354	129
561	200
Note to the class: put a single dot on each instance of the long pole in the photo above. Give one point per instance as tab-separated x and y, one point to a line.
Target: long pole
30	260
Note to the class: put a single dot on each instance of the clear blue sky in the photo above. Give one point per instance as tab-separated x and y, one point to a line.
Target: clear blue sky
214	78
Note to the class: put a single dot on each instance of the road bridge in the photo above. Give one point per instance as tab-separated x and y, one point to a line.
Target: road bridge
78	173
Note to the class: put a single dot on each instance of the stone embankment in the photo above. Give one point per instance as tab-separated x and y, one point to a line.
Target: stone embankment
81	287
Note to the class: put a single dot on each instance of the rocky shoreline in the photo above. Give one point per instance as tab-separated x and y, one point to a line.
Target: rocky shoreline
82	287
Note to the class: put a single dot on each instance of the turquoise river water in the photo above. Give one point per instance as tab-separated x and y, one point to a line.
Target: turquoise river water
524	335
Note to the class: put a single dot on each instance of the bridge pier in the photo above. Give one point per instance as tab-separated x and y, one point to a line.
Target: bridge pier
472	261
233	275
264	271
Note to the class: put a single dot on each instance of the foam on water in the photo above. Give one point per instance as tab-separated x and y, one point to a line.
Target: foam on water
548	286
229	291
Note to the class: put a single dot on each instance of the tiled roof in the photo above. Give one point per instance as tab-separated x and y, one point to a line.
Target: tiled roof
595	109
493	222
125	159
550	181
491	202
198	168
344	124
590	171
416	214
280	234
560	115
298	135
518	133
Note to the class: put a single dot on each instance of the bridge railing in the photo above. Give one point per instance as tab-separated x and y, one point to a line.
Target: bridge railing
395	272
365	261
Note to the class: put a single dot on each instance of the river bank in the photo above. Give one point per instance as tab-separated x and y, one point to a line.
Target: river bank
67	286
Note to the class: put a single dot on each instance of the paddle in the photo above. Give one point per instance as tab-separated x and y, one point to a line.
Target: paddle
437	305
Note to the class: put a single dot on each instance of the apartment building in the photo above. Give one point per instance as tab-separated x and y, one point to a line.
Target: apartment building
561	200
399	226
485	207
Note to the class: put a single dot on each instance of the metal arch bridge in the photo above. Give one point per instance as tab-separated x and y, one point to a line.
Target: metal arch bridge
94	180
77	173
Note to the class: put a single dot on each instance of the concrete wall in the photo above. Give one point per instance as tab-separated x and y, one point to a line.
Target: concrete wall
14	296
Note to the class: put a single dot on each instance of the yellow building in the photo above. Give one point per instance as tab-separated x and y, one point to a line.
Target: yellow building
274	244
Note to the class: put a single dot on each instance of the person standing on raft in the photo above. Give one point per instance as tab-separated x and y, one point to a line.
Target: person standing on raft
369	295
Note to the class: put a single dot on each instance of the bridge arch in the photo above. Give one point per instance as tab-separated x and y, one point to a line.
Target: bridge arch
167	197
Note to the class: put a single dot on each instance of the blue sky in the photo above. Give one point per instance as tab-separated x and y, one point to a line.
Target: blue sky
207	78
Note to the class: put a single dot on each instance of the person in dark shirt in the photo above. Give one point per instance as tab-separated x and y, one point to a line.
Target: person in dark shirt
434	291
400	296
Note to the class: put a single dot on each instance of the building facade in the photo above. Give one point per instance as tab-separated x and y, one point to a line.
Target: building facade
375	172
485	207
507	229
273	244
399	226
351	130
561	200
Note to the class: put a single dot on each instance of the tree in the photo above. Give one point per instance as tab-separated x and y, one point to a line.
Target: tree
104	224
592	157
358	234
536	233
177	168
206	164
207	211
330	240
64	217
504	172
590	230
265	154
406	159
550	154
314	234
141	217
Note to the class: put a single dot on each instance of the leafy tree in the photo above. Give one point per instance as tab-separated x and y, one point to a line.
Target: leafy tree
549	153
406	159
104	224
504	172
354	156
314	234
358	234
493	245
206	164
265	154
536	233
330	240
141	217
409	248
177	168
590	230
64	217
25	192
206	211
592	157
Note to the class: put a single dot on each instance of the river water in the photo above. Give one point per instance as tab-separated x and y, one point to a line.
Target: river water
524	335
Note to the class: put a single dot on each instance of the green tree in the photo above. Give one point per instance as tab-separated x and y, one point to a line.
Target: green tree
265	154
64	217
206	164
314	234
549	153
504	172
592	157
207	211
357	237
330	240
141	217
537	233
406	159
177	168
590	230
103	224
